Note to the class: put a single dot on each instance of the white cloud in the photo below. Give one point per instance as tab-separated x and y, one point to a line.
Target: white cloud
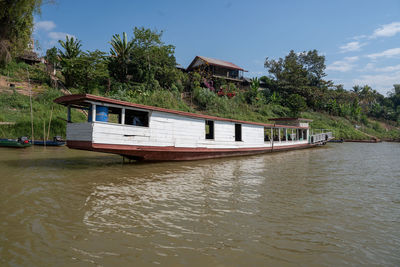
359	37
343	65
389	68
387	30
371	67
351	46
46	25
55	36
387	53
381	82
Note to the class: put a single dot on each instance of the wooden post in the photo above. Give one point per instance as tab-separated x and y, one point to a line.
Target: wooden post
285	132
123	116
48	128
69	114
272	135
30	102
44	133
279	135
93	112
272	129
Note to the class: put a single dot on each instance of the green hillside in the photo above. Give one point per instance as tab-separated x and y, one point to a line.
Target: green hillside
15	107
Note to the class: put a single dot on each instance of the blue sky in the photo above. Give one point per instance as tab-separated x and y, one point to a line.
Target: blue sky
360	39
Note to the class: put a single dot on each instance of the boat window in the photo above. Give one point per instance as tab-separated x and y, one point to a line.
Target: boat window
305	135
283	134
238	132
114	115
267	133
136	117
209	129
290	135
276	137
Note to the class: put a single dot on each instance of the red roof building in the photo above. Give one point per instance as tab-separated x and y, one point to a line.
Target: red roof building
216	68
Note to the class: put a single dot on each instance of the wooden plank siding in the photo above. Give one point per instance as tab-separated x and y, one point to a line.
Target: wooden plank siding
82	131
166	129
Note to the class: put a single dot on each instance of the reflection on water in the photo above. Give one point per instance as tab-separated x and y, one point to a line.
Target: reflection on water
335	205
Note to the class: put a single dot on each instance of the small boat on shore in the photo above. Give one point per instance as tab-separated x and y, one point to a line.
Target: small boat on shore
363	140
336	141
151	133
21	142
57	141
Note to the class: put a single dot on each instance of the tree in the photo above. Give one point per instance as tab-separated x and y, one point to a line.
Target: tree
88	72
292	77
302	74
153	62
72	49
91	71
52	57
252	95
356	89
315	66
393	103
16	25
71	46
121	50
296	104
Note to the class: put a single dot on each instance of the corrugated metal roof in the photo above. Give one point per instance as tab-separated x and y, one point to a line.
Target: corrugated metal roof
217	62
80	98
289	119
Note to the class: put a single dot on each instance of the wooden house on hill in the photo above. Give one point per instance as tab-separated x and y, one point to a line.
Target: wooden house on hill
215	68
29	56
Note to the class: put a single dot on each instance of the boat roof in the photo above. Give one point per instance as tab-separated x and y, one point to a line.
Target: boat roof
76	99
290	119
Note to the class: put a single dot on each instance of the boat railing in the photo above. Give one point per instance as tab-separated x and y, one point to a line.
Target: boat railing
321	138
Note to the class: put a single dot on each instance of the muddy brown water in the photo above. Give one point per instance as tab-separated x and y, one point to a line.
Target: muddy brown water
331	206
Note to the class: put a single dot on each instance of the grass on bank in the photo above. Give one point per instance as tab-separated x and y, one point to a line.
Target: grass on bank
15	107
206	102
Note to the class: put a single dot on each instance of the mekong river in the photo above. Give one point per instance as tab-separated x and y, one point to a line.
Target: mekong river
331	206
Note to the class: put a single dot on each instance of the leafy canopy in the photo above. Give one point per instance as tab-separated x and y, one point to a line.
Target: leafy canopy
16	25
121	51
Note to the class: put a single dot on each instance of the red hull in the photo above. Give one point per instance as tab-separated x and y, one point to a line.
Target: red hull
152	153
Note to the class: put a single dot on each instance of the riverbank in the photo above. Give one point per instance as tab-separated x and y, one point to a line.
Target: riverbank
15	108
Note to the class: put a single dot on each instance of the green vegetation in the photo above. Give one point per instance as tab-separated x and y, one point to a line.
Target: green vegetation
21	72
143	70
15	107
16	20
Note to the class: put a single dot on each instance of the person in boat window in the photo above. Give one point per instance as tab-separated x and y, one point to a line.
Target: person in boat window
137	121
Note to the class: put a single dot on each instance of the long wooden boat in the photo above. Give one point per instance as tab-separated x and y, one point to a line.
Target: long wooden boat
55	142
48	143
156	134
17	143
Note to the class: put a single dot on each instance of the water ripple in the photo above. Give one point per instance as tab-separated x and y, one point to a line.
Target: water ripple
337	205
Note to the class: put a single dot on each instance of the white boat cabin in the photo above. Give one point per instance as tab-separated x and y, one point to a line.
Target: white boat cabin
117	122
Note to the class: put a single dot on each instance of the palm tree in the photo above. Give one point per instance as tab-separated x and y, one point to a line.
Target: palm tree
71	46
356	89
68	58
120	51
